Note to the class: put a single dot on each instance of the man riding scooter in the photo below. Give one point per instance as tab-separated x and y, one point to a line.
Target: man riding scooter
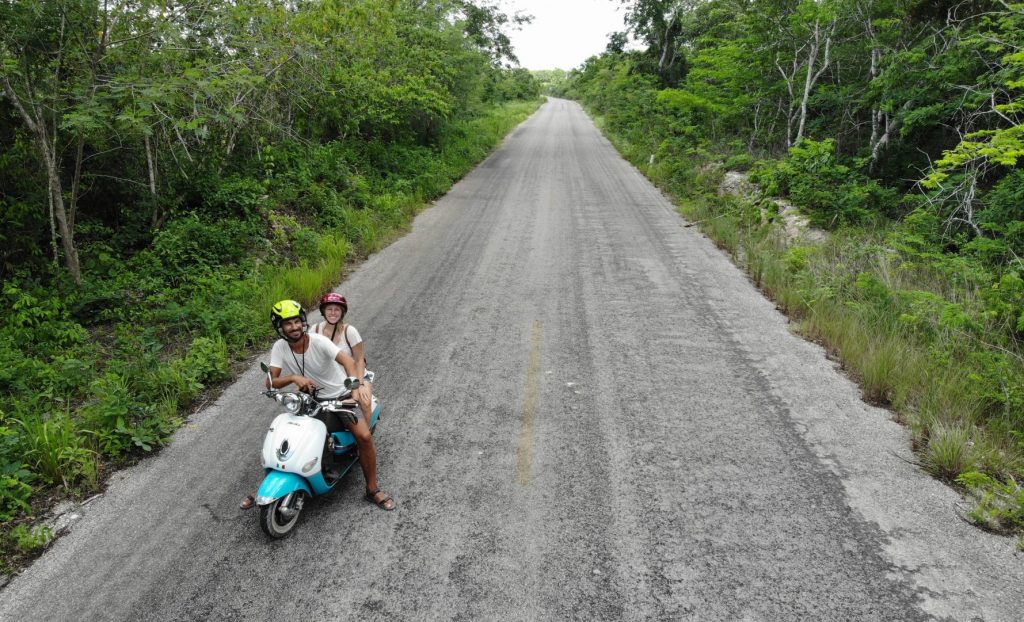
311	361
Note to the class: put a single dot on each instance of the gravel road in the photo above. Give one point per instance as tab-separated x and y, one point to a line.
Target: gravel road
589	413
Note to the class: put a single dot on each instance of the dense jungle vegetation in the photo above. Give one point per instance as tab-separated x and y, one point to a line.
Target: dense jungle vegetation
169	169
896	126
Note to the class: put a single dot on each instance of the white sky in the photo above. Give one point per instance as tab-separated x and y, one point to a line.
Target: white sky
564	33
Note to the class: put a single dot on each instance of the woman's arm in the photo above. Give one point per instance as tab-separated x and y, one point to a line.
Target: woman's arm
360	359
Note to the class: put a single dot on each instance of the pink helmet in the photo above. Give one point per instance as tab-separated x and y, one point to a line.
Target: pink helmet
332	298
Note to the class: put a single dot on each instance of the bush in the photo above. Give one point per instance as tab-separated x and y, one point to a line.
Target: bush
188	248
29	539
55	449
739	162
14	495
15	478
235	198
1000	504
831	193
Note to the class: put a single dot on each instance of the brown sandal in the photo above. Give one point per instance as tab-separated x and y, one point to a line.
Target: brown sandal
387	503
247	502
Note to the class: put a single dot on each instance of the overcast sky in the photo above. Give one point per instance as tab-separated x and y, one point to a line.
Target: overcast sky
564	33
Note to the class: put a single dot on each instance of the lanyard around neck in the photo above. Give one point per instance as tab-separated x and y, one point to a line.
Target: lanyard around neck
302	367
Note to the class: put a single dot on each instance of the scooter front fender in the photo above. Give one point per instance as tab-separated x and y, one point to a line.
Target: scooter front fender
278	484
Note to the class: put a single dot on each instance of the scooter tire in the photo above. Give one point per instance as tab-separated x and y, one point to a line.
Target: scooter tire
273	523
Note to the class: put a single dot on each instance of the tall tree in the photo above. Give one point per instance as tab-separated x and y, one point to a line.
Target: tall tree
659	24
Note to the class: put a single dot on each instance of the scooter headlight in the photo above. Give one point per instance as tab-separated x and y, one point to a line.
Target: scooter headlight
291	402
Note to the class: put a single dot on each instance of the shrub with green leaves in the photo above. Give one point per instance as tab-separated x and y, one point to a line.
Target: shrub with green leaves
190	248
1000	503
831	193
30	539
57	450
15	477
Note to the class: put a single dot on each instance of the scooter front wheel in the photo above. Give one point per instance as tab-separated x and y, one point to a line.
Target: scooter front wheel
279	517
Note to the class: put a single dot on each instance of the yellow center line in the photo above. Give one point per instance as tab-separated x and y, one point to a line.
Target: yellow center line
525	453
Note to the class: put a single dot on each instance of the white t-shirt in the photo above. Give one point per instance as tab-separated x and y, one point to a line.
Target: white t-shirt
317	363
325	329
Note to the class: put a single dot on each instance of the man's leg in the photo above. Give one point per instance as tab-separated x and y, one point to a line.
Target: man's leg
367	452
368	462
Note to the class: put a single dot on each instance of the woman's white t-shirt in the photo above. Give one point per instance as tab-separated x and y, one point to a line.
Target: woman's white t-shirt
325	329
318	363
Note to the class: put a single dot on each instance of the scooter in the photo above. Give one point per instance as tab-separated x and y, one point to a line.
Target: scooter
295	449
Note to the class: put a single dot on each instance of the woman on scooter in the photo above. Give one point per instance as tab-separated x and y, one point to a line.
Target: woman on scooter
326	369
333	308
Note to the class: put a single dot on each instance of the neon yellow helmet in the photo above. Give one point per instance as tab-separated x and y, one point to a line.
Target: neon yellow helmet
286	310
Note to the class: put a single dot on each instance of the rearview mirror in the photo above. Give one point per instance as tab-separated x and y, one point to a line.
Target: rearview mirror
266	370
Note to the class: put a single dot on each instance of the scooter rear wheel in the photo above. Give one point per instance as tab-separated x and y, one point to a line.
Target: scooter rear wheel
277	521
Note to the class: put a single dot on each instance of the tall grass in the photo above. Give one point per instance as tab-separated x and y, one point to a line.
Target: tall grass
57	450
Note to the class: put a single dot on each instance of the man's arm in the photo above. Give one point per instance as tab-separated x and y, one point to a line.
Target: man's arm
347	362
279	382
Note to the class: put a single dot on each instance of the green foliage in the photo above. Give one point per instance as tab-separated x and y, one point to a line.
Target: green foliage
948	453
1000	505
14	495
30	539
1002	220
15	477
237	197
188	248
55	450
738	162
551	81
514	84
831	193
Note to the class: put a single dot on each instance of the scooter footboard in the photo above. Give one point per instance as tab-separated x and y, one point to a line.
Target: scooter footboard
277	484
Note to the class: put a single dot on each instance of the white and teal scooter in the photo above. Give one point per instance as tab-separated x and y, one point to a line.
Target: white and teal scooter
295	449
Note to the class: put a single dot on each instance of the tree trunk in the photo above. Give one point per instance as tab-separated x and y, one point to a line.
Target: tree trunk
38	127
76	181
154	217
663	62
57	192
876	111
812	75
891	125
789	79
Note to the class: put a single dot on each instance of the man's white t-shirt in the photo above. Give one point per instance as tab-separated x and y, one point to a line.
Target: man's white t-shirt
325	329
317	363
